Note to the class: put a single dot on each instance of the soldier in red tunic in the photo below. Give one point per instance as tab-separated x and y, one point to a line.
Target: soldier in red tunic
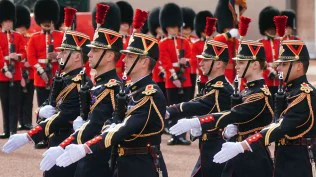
13	48
27	82
175	53
271	45
41	51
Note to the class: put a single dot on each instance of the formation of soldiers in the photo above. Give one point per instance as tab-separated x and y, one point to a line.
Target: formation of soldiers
248	93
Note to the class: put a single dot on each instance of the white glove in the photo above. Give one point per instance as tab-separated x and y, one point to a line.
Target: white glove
72	154
50	157
167	115
230	131
234	33
185	125
78	122
15	141
196	132
46	111
229	150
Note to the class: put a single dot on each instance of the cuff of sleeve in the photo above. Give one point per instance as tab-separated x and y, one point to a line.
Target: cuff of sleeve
173	74
206	119
253	138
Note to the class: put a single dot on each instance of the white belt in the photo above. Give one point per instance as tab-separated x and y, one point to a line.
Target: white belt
175	65
44	61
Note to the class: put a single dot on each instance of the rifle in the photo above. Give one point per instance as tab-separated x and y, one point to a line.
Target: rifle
236	97
85	96
11	63
25	75
48	65
181	71
279	99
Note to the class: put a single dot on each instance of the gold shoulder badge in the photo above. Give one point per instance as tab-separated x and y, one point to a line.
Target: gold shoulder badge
306	88
149	90
266	90
77	78
218	84
111	83
129	83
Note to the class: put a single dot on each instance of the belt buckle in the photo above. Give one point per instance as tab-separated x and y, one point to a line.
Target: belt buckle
121	151
282	141
204	137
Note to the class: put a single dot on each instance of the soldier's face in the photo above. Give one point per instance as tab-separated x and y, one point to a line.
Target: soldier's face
241	67
205	65
159	31
62	56
173	31
288	31
46	25
21	30
186	32
124	28
7	25
284	67
128	61
94	56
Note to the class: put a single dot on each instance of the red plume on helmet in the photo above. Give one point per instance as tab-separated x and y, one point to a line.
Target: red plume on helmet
280	23
243	25
139	19
101	11
69	16
210	26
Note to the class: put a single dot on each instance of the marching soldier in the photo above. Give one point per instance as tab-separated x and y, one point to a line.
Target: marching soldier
41	52
127	14
197	46
103	98
216	98
295	131
271	45
139	135
290	24
252	114
58	123
175	53
27	81
13	48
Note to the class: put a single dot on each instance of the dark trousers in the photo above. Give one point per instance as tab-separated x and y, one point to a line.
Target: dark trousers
26	107
193	81
42	95
174	98
10	102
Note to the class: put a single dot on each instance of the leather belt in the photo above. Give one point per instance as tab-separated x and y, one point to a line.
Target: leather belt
298	142
122	151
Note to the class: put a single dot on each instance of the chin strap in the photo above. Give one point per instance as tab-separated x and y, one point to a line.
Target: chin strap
288	72
62	64
245	71
134	64
211	68
100	59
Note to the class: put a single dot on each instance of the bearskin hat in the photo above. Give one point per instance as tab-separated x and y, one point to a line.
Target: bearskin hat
153	21
46	10
23	18
291	17
266	18
200	21
7	11
127	12
188	17
112	18
224	16
170	16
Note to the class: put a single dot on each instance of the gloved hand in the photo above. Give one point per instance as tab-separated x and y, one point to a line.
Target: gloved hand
78	122
46	111
185	125
230	131
229	150
167	115
196	132
15	141
50	157
234	33
72	154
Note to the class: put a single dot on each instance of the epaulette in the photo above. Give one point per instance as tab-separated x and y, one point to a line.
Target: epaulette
149	90
218	84
77	78
164	39
111	83
305	88
36	33
266	90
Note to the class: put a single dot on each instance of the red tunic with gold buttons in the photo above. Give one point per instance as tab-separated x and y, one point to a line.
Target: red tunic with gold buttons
30	69
232	44
157	69
271	48
197	49
36	53
169	59
1	58
192	39
19	42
